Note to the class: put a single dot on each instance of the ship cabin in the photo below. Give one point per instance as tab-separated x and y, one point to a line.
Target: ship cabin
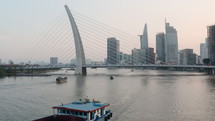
90	111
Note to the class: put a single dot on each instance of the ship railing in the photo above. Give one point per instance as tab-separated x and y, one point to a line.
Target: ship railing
108	111
107	114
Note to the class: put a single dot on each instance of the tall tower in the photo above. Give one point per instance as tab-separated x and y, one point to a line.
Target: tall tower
53	60
160	47
171	44
144	38
113	51
203	50
80	56
211	43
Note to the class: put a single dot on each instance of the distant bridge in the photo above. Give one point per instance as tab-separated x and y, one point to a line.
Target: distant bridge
208	69
120	66
150	65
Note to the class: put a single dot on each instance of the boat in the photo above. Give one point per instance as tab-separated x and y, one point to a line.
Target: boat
111	77
71	69
61	80
80	111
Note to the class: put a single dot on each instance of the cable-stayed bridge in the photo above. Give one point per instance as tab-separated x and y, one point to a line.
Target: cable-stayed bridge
57	41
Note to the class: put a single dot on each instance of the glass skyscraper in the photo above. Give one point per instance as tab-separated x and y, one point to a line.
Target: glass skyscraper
171	44
211	43
160	47
113	51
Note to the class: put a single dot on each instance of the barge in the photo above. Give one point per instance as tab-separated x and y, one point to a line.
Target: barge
61	80
80	111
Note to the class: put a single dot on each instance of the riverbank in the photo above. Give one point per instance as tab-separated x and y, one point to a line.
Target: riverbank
34	74
7	72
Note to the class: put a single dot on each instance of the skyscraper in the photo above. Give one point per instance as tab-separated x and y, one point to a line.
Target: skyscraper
144	38
211	43
146	54
143	56
136	56
53	60
125	58
160	47
187	57
150	56
203	51
171	44
112	50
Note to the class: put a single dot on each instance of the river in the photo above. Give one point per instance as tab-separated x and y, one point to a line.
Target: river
139	95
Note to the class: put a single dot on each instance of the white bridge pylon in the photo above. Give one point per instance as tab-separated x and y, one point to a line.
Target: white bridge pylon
80	56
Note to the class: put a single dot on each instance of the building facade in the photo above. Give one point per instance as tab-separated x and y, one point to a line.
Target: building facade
203	51
198	60
150	55
113	53
211	43
171	45
125	58
143	56
187	57
136	56
53	60
160	47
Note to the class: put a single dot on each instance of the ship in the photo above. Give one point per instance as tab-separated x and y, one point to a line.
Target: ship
61	80
80	111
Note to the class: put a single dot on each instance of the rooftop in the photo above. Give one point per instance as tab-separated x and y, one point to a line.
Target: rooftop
82	106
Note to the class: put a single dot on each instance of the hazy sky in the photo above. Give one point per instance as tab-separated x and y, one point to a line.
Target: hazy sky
21	21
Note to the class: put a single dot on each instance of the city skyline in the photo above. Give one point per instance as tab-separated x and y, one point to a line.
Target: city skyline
23	21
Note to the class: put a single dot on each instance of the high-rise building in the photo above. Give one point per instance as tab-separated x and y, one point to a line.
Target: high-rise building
10	62
203	51
144	38
187	57
171	44
113	51
143	56
160	47
136	56
198	59
150	56
211	43
125	58
53	60
146	54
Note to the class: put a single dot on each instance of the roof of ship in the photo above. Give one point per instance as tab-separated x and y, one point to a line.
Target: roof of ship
81	106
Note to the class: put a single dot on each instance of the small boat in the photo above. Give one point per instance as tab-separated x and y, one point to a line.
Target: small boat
61	80
80	111
111	77
72	69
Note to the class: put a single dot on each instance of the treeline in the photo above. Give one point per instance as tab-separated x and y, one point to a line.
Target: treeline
6	72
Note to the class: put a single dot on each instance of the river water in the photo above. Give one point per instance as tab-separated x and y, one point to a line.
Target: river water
139	95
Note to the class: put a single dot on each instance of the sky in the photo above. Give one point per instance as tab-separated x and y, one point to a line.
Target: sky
21	21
